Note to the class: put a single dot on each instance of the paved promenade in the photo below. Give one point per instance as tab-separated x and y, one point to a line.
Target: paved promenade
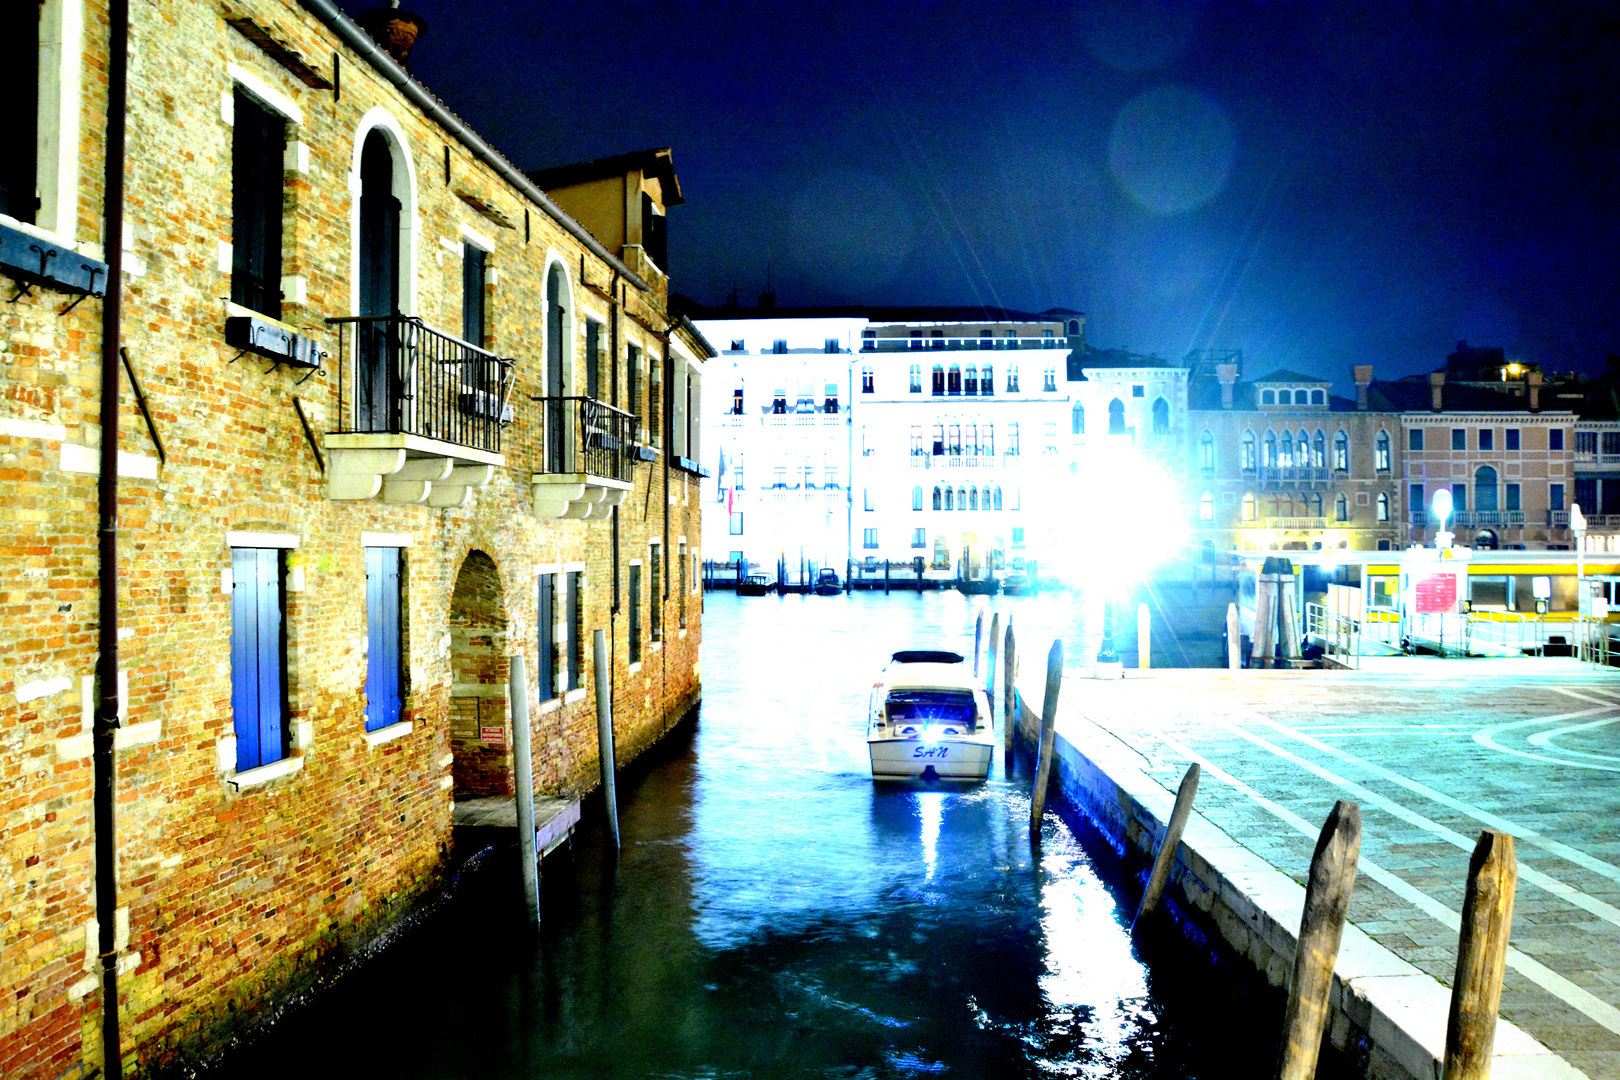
1434	751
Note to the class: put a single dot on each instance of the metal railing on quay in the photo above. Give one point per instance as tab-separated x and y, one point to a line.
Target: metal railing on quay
580	435
1339	635
399	376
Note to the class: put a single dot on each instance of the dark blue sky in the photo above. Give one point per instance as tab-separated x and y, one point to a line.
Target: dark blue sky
1317	185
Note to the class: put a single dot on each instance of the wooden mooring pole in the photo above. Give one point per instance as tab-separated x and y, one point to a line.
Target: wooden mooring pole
1009	693
604	732
990	665
978	642
1043	763
1327	898
1166	856
1476	992
523	770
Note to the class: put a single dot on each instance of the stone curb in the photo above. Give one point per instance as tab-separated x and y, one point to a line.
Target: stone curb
1398	1009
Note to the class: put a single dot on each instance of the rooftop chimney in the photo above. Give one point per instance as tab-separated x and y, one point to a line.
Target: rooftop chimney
1363	373
1437	379
1533	378
395	30
1227	374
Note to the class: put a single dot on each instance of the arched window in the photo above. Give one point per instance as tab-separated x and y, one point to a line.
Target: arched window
1248	507
1246	448
1341	453
1285	451
970	384
950	499
1319	453
1074	327
1485	489
961	498
1315	506
1383	506
1270	460
916	378
939	380
1077	419
866	378
1302	452
1318	397
1284	397
1381	454
937	503
1268	397
1206	507
1161	417
953	380
973	498
916	498
1206	454
987	381
1116	417
1341	507
997	493
1012	378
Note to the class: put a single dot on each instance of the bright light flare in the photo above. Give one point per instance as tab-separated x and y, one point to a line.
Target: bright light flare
1117	519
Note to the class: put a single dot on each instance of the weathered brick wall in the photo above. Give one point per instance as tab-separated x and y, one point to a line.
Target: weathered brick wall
236	898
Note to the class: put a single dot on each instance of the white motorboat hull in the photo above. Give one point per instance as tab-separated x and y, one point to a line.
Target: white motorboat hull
912	758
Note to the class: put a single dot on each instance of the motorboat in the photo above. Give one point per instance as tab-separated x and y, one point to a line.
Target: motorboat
827	583
755	585
1016	583
984	586
928	720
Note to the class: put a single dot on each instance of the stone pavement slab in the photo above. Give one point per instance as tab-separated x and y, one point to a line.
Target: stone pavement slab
1434	751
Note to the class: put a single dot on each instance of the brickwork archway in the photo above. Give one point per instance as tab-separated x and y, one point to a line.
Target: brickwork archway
480	720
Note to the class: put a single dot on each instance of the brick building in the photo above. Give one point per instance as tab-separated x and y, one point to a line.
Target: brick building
394	410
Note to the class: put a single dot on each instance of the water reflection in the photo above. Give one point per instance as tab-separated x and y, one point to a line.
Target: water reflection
775	914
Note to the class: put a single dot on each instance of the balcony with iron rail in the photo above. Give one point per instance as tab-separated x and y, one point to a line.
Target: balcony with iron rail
960	344
420	413
589	451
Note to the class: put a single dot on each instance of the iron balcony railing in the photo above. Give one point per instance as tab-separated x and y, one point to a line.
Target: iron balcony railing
399	376
581	435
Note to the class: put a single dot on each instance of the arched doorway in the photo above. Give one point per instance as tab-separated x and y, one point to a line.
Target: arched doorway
480	724
376	388
1116	417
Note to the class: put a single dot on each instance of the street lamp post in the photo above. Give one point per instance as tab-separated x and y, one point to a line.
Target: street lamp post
1108	664
1577	525
1442	513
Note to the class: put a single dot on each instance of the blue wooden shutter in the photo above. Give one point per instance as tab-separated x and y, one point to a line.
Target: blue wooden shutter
256	656
576	633
383	655
547	619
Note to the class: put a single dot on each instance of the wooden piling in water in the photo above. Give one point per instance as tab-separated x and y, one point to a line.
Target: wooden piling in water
1043	762
1009	694
1327	898
1166	855
978	638
523	771
604	733
1476	991
990	665
1234	640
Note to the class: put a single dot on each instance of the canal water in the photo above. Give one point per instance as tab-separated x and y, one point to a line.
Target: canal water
774	913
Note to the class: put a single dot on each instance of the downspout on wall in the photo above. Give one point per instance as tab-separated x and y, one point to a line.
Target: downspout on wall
106	709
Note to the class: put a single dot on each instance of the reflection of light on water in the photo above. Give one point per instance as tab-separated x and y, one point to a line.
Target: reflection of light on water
931	808
1090	971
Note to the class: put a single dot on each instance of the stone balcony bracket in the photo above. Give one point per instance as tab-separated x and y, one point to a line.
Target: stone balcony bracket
577	496
405	470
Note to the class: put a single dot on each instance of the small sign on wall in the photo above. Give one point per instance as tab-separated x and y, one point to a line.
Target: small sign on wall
494	736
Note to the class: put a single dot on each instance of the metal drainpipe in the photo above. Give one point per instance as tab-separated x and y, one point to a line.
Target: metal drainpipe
106	846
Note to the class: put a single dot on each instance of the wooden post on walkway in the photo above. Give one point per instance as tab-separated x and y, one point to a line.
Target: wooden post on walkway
990	664
1166	856
1144	637
523	769
1327	898
1009	694
1234	639
885	577
1476	992
604	732
978	640
1043	763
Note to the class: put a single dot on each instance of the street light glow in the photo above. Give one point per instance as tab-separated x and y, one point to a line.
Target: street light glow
1118	519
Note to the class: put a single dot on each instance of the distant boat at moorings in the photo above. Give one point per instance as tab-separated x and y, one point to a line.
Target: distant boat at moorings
1017	583
985	586
827	583
927	720
755	585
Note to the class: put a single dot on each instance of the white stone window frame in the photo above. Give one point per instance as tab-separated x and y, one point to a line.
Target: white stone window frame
410	212
302	733
61	58
294	289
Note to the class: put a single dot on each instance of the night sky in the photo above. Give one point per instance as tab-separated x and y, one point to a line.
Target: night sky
1317	185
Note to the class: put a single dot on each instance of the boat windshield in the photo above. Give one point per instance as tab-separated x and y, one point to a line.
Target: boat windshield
931	706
